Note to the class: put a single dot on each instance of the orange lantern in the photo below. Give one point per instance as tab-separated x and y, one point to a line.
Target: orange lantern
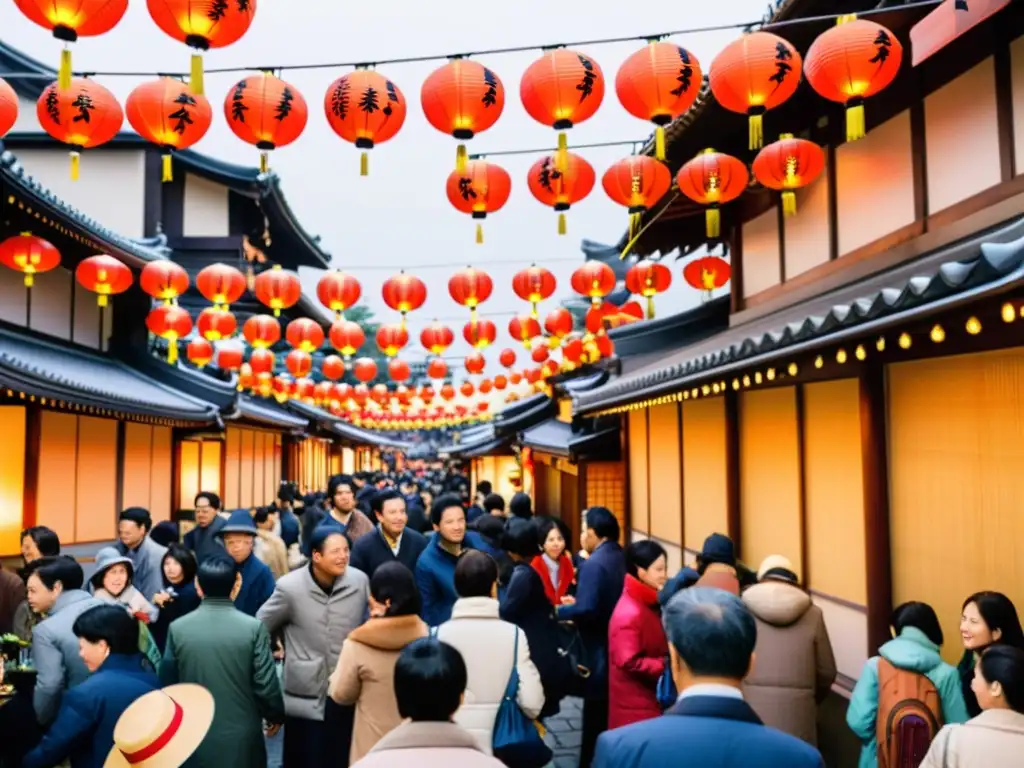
305	388
507	357
283	387
305	334
220	284
216	324
360	392
559	324
648	278
532	375
753	74
437	368
481	188
391	338
103	275
851	62
707	273
379	393
500	382
347	337
609	316
298	363
29	255
364	108
230	358
262	331
333	367
572	350
515	378
265	111
713	179
522	328
261	383
70	19
199	352
9	106
539	354
595	280
342	392
404	293
560	189
399	370
534	284
168	113
83	115
436	338
659	83
462	98
201	25
604	347
470	287
638	183
262	360
169	323
562	89
467	389
475	362
480	334
448	392
338	291
278	289
486	386
787	165
163	280
426	393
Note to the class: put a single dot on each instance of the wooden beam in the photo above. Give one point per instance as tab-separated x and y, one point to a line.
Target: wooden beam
153	194
780	219
625	446
919	161
732	468
682	476
801	458
33	443
832	179
1004	107
119	469
736	300
647	467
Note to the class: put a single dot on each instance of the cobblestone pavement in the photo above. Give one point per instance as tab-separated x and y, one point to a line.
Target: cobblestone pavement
564	734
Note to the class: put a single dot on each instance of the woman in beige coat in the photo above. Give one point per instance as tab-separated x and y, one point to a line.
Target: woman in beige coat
364	675
996	736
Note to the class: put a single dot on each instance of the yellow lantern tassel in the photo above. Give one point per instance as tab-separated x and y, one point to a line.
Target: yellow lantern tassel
101	299
460	158
64	73
789	203
713	220
277	312
479	233
264	161
250	278
195	81
172	351
30	279
76	165
756	130
659	142
650	307
168	168
562	156
855	122
562	228
364	164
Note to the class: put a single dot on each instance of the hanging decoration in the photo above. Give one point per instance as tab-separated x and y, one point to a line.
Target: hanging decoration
170	323
220	284
347	337
561	189
539	353
265	111
298	363
261	331
426	393
70	19
436	338
507	357
30	255
404	293
338	291
437	368
480	334
648	278
230	358
391	338
470	287
851	62
572	351
787	165
660	82
9	107
638	183
103	275
283	388
332	367
447	392
262	361
753	74
534	284
562	89
707	273
500	382
713	179
485	387
558	323
595	280
479	189
215	324
475	363
199	352
163	280
462	98
609	316
523	328
304	334
399	370
364	108
83	115
278	289
515	378
166	112
466	389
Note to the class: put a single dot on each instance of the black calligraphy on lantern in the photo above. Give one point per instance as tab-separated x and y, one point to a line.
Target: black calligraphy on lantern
586	84
53	105
218	9
548	173
392	97
490	97
783	65
182	116
243	6
883	46
340	98
368	103
284	106
83	103
238	105
466	191
685	75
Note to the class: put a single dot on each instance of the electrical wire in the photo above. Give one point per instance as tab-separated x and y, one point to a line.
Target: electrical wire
459	264
593	145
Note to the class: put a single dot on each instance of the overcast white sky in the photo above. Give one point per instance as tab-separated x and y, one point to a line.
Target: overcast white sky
399	216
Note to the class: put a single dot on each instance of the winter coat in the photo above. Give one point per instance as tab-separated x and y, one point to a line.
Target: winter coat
795	667
914	651
435	577
358	526
131	599
365	676
12	594
428	745
720	576
185	600
371	552
228	653
995	737
204	542
315	625
636	655
289	527
84	729
566	577
257	585
271	551
147	566
486	644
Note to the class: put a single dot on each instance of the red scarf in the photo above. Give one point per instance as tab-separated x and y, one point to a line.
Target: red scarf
566	577
640	592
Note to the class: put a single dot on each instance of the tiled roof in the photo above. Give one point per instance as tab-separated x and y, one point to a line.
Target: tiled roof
559	439
345	430
268	413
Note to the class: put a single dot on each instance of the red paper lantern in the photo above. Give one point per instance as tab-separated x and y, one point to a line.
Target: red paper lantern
534	284
29	254
572	350
462	98
707	273
605	346
448	392
9	107
278	289
437	368
399	370
485	387
199	352
347	337
436	338
479	334
265	111
404	293
470	287
609	316
638	183
163	280
549	369
787	165
507	357
338	291
648	278
539	354
515	378
305	334
713	179
220	284
262	331
500	382
263	383
298	363
322	392
426	393
169	323
475	362
230	358
753	74
283	387
168	113
561	189
364	108
83	115
532	375
216	324
103	275
360	392
333	367
481	188
594	279
342	392
379	392
522	328
467	389
558	324
391	338
659	83
262	360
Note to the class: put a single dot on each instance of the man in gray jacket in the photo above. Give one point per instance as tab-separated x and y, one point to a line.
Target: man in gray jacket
54	588
315	608
133	527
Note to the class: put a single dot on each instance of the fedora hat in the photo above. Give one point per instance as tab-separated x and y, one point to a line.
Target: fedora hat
239	522
162	729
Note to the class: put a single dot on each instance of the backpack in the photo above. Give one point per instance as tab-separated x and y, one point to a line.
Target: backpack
909	716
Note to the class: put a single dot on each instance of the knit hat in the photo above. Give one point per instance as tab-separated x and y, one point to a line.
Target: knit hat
718	548
777	567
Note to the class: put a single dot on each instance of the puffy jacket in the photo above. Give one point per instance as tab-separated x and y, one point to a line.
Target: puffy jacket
636	655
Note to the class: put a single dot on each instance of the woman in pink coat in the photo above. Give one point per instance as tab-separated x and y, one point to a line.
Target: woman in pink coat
636	640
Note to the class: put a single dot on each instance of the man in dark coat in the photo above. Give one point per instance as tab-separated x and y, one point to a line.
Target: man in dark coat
285	514
203	539
599	586
435	569
239	535
711	644
393	540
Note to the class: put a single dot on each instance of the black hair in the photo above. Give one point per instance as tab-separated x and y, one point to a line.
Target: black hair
261	515
520	538
475	574
484	487
999	612
286	493
183	555
494	503
394	582
96	580
336	482
441	503
216	576
490	527
213	498
137	515
45	539
642	554
54	568
603	523
165	533
521	505
545	525
713	632
919	615
380	497
1004	664
111	623
430	678
322	533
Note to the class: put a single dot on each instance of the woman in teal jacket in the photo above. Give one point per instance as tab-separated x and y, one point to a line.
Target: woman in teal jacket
915	646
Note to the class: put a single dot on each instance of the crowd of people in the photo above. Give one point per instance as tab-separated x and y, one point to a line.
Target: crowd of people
395	620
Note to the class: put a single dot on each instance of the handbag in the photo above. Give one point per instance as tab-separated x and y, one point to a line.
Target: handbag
573	651
516	741
666	691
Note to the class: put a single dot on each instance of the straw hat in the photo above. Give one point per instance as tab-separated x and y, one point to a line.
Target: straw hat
162	729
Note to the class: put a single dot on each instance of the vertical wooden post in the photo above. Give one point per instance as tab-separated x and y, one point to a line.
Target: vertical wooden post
732	469
801	458
33	445
119	471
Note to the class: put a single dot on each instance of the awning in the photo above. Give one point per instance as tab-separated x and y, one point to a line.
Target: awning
267	414
559	439
333	425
